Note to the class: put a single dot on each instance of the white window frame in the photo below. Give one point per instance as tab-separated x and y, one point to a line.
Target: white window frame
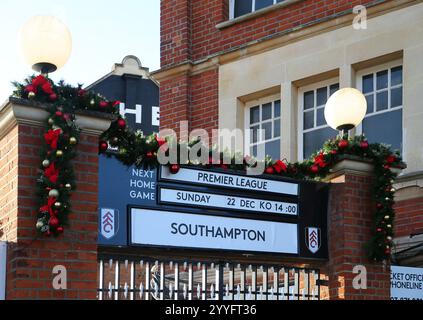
311	87
374	70
253	6
255	103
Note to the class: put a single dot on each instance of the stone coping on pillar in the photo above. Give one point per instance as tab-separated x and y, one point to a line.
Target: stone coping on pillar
350	165
20	111
409	186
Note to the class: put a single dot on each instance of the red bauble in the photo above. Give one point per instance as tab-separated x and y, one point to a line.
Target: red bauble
59	113
121	123
387	251
103	104
54	222
150	155
391	159
81	92
379	206
60	229
379	229
103	146
53	97
364	145
270	170
174	168
314	169
386	167
343	144
333	152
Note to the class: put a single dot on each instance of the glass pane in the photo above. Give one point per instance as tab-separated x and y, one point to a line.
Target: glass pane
277	128
263	3
254	134
382	79
322	96
320	117
308	120
396	76
368	83
277	108
315	139
266	112
370	103
308	100
385	128
267	127
242	7
254	114
382	101
333	89
396	97
273	149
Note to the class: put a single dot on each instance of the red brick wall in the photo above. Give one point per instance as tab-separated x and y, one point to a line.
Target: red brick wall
189	34
31	259
350	227
409	217
189	27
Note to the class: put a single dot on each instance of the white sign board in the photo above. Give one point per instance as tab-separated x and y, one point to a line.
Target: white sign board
176	229
406	283
209	200
3	256
230	181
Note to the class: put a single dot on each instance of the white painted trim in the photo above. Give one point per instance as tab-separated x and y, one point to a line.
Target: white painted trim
300	110
259	102
3	261
374	70
253	6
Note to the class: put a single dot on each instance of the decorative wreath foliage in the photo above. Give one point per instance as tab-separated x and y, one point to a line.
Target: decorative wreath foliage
56	180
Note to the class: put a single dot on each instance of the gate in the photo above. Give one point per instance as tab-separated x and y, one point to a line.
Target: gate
149	279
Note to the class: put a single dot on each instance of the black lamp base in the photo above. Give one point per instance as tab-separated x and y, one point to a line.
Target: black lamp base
345	128
44	67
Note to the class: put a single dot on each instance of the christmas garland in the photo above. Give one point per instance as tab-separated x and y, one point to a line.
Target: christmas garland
56	180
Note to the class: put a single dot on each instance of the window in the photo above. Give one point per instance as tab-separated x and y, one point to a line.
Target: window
241	7
314	130
383	89
266	117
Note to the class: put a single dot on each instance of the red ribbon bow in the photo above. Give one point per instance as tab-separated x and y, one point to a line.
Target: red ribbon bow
160	141
280	166
319	160
49	206
52	137
52	173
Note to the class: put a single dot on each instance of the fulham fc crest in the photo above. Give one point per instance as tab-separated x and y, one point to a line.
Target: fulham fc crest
312	239
109	223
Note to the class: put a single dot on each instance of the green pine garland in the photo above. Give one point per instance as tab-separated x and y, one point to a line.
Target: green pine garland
133	148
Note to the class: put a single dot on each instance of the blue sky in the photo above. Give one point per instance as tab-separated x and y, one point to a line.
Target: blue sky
103	32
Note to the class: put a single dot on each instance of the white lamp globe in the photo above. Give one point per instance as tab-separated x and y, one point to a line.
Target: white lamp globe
345	109
46	43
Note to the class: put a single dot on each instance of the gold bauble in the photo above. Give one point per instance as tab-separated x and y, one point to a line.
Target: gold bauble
31	95
73	140
59	153
50	121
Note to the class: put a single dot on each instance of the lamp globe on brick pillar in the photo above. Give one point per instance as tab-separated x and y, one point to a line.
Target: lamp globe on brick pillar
46	43
345	109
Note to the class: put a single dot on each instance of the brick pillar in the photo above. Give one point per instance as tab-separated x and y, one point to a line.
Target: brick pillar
31	257
351	210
